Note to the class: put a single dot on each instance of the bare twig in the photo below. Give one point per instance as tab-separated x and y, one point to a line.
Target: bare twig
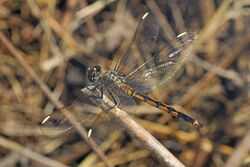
212	25
167	29
10	160
88	11
196	89
122	159
177	15
218	70
17	54
38	14
157	150
92	9
206	33
28	153
241	150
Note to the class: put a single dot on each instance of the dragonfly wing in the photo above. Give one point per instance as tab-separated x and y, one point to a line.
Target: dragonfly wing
142	43
162	66
127	103
57	123
91	118
106	125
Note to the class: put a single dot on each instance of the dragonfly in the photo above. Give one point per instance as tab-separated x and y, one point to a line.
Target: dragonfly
132	78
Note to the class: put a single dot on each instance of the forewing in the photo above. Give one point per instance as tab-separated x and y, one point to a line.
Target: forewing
163	65
142	45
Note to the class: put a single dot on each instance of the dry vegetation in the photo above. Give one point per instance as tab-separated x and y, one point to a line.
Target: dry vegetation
47	45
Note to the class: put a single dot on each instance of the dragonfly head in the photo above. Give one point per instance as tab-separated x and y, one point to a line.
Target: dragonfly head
94	73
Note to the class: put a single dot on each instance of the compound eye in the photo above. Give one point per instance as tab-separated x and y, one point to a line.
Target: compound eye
97	69
93	73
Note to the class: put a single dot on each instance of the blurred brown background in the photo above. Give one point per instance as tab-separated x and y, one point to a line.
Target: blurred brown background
61	39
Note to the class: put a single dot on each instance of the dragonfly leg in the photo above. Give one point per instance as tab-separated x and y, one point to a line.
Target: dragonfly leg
116	101
94	88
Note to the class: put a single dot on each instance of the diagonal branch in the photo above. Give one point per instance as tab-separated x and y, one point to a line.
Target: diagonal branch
156	149
240	152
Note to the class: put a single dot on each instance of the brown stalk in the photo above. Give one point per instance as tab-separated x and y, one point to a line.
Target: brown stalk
6	143
18	55
240	152
156	149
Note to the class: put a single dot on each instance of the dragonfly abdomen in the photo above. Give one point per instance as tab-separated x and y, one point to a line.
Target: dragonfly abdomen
166	108
157	104
128	90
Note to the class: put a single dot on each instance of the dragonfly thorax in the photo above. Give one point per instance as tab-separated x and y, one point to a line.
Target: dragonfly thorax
116	78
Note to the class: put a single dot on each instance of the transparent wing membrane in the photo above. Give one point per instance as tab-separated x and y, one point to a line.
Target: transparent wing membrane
57	123
161	67
142	44
90	117
145	65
